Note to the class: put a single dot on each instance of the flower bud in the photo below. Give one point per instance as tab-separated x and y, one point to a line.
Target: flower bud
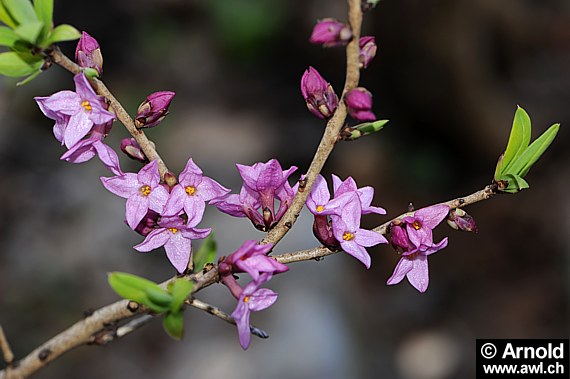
367	50
399	239
359	104
330	32
461	220
153	109
322	230
148	223
88	54
319	95
131	148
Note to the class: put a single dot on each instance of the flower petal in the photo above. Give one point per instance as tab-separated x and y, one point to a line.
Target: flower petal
419	275
433	215
209	189
81	152
77	128
368	238
123	185
191	175
402	268
241	316
357	251
261	299
158	198
178	250
153	240
136	208
109	157
149	174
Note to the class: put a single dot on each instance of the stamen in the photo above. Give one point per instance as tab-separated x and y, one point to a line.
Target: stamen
246	299
145	190
417	225
320	208
173	230
85	104
190	190
347	236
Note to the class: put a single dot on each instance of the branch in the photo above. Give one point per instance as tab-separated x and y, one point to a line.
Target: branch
332	129
123	116
99	323
5	348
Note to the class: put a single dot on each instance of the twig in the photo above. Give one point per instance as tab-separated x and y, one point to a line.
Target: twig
332	129
217	312
83	331
5	347
122	115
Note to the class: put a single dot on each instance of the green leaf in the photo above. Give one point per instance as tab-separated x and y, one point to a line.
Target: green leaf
180	290
29	78
206	253
17	64
44	11
61	33
21	11
528	158
5	17
518	140
29	31
516	183
137	289
158	297
371	127
7	36
174	324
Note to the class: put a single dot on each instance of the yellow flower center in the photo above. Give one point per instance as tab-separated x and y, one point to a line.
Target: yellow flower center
173	230
145	190
85	104
417	225
320	208
347	236
190	190
246	299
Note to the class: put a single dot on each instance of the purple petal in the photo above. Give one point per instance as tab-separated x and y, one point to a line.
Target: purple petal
433	215
319	195
402	268
81	152
63	103
209	189
349	185
191	175
123	185
153	240
357	251
178	250
77	128
261	299
195	233
149	174
438	246
230	204
175	201
109	157
368	238
158	198
137	206
241	316
419	275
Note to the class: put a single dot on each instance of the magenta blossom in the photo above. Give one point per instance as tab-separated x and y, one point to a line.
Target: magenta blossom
359	104
252	258
142	191
330	32
263	184
176	237
365	194
192	192
415	242
87	148
252	298
353	239
367	50
75	113
154	109
88	53
319	95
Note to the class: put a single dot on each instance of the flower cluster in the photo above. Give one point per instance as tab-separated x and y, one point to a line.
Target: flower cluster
167	216
413	238
263	185
337	221
251	258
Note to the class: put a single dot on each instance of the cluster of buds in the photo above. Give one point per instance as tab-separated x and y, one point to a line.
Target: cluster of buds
263	185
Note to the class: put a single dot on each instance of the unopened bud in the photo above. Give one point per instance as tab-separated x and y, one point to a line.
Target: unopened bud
399	239
461	220
170	179
131	148
319	95
88	53
148	223
153	109
367	50
359	104
322	230
330	32
361	130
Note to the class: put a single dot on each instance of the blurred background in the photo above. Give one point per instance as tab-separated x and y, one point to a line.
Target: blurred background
448	75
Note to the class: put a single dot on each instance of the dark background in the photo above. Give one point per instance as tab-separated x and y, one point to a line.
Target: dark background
448	75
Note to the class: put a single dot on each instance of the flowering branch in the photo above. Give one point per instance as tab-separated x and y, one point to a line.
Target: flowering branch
332	129
123	116
101	326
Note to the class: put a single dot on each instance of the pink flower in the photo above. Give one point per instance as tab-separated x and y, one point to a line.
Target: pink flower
176	237
75	113
142	191
252	258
